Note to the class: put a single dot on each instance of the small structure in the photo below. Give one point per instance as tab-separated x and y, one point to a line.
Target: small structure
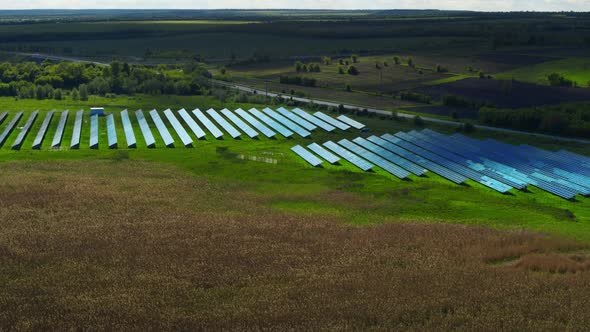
97	111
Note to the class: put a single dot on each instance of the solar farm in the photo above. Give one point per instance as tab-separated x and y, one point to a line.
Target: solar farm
498	166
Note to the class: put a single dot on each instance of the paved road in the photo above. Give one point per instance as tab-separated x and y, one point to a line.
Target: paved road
400	114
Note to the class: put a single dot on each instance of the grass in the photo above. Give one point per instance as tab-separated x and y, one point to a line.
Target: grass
575	69
130	244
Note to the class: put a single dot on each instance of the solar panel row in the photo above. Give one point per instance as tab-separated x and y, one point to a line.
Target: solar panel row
164	133
287	123
350	122
59	132
10	127
306	155
255	123
297	119
404	163
331	121
20	138
320	151
223	123
208	124
377	160
351	157
271	123
75	142
180	131
94	131
42	131
111	132
312	119
238	122
150	142
191	123
128	129
3	116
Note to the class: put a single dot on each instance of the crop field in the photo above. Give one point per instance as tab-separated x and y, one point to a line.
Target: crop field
574	69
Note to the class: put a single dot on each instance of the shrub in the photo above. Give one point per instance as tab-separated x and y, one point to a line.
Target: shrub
415	96
556	79
352	70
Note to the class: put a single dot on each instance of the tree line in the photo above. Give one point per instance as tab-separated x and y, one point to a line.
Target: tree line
50	79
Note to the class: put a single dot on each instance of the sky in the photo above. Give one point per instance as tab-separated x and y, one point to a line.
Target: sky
480	5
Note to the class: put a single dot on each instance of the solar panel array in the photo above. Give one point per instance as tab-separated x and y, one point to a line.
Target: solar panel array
286	122
314	120
59	132
238	122
320	151
94	132
271	123
208	124
191	124
75	142
255	123
111	131
164	133
223	123
350	122
180	131
3	116
128	129
297	119
306	155
332	121
150	141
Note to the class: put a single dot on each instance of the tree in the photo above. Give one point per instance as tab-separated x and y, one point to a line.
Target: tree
57	94
348	88
354	58
83	92
40	94
341	70
396	60
75	94
222	70
299	66
327	60
556	79
411	63
352	70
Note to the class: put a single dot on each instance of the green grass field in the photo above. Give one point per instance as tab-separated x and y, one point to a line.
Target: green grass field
289	185
575	69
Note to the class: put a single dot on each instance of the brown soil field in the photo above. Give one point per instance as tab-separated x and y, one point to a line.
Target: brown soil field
503	93
131	245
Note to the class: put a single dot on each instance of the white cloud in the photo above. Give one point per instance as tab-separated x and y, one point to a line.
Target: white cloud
482	5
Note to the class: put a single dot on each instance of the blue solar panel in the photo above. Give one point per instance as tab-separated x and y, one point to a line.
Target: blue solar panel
10	127
257	124
310	158
111	131
396	159
3	116
223	123
286	122
184	137
20	138
370	156
94	131
351	157
325	126
351	122
270	122
238	122
42	131
331	121
145	130
320	151
59	132
128	129
164	133
433	167
297	119
208	124
191	123
75	142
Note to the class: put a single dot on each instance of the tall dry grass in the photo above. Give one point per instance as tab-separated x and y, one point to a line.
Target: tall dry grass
131	245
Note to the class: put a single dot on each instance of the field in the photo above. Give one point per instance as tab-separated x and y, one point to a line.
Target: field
574	69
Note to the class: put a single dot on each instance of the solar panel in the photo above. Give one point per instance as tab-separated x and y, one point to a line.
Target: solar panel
75	142
191	123
331	121
184	136
10	127
320	151
94	131
306	155
208	124
433	167
351	157
111	131
396	159
20	138
42	131
145	129
325	126
223	123
128	129
255	123
270	122
3	116
59	132
351	122
164	133
297	119
370	156
286	122
238	122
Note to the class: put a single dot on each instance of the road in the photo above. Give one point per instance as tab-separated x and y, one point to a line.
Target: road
400	114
